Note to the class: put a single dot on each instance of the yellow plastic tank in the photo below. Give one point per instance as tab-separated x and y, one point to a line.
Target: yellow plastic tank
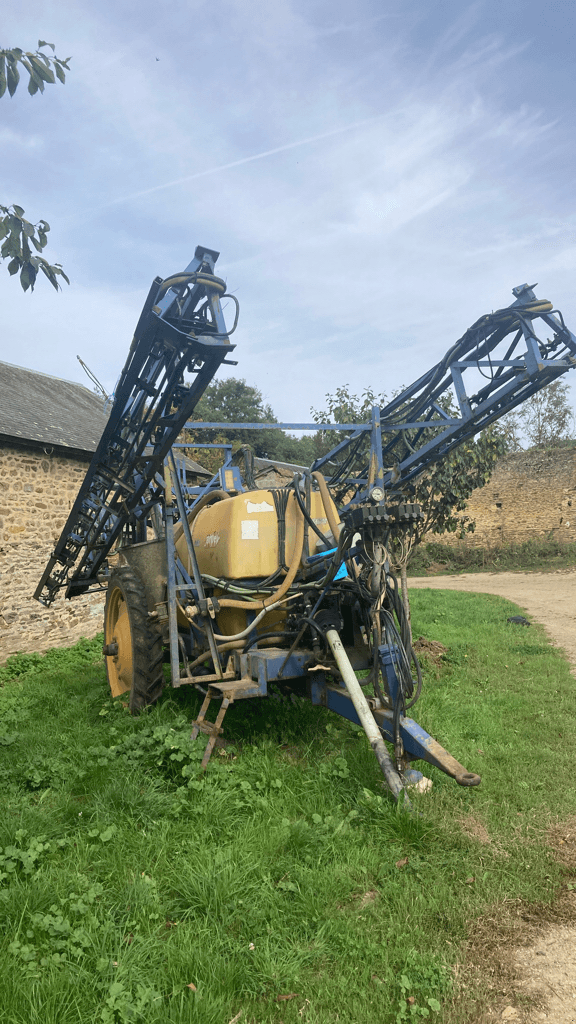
237	538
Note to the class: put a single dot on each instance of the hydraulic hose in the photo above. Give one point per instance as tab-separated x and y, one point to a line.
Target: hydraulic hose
268	636
235	645
305	511
227	602
249	629
333	521
197	278
415	399
207	499
232	645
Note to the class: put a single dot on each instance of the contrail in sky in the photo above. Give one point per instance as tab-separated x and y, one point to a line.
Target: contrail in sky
247	159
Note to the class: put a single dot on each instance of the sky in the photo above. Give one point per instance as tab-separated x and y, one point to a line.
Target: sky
375	176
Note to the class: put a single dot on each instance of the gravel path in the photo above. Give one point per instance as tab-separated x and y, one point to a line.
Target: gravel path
549	966
548	597
548	969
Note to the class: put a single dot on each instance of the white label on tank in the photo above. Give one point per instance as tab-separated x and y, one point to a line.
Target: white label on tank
261	506
211	540
321	522
249	529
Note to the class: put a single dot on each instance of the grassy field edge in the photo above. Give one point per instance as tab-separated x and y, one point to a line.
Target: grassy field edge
132	888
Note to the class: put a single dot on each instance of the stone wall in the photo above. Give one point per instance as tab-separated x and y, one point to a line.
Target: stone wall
37	491
530	495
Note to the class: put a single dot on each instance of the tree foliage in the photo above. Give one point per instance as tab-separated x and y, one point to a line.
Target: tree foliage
342	407
17	234
547	419
42	68
234	401
444	490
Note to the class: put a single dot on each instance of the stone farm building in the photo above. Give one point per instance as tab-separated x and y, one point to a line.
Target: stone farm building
49	430
530	496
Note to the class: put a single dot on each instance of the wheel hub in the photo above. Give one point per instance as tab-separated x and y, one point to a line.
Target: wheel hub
118	638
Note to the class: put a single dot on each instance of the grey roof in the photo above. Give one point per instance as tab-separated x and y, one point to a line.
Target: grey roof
192	467
39	408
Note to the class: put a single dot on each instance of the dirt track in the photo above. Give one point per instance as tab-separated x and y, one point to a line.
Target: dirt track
549	966
548	597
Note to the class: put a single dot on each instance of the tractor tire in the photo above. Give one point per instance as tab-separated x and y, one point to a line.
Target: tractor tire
132	648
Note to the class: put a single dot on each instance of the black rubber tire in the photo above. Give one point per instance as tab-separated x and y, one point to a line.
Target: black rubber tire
137	664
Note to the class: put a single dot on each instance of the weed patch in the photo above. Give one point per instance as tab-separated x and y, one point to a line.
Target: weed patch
546	553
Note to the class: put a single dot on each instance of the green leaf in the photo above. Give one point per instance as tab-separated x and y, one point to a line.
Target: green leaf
41	69
433	1004
32	72
14	266
27	228
2	75
42	42
108	833
49	272
13	78
59	73
26	279
36	243
32	86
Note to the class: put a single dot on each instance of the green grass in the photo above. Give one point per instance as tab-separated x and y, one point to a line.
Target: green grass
545	554
126	876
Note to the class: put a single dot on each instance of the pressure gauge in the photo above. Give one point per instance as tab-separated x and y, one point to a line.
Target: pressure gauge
377	494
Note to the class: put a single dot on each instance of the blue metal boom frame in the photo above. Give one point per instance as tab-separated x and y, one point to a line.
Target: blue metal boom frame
181	328
414	431
527	365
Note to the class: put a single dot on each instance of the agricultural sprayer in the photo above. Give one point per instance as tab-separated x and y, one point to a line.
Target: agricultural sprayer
241	588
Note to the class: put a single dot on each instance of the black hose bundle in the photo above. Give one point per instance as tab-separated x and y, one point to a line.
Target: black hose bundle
402	640
305	512
279	634
245	454
280	498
